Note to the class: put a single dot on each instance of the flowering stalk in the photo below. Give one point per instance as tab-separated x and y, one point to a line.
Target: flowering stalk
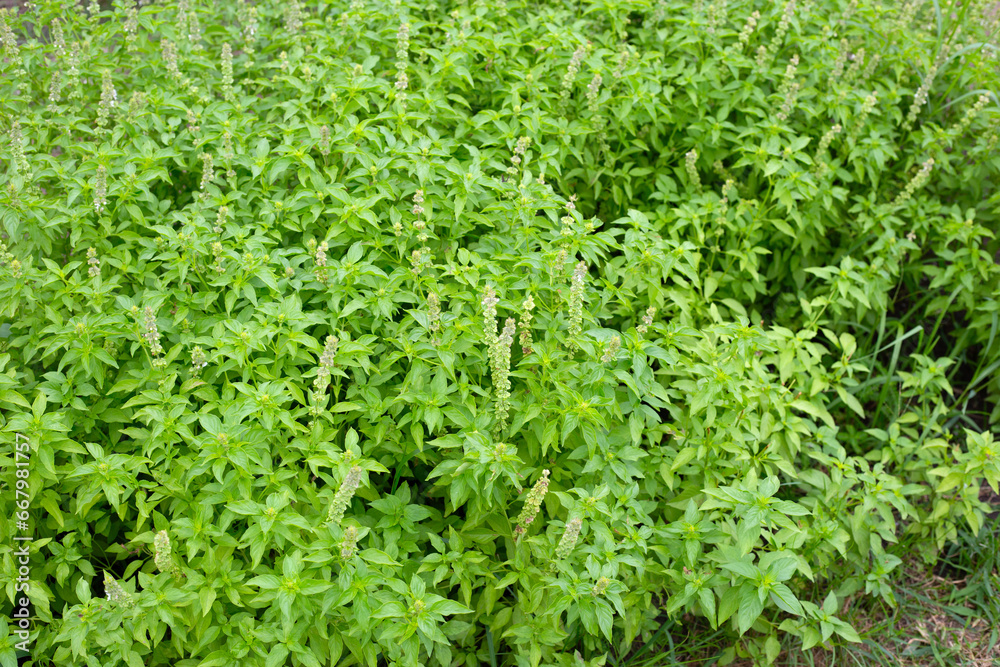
857	60
611	353
136	104
58	37
162	556
920	97
519	149
525	324
532	504
690	160
866	108
647	320
247	17
848	12
7	37
789	88
349	545
869	69
198	360
917	182
623	59
839	63
93	262
20	161
490	301
716	14
131	27
571	71
100	189
73	71
11	264
568	219
747	31
151	334
576	303
114	592
109	98
433	312
170	59
220	219
558	265
217	253
569	538
905	18
501	373
594	92
326	363
227	73
343	497
293	16
779	35
188	25
961	126
319	255
821	166
402	56
207	174
324	140
597	118
728	190
418	200
55	87
762	57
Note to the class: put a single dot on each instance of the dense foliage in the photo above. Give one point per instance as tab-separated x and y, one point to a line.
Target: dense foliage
403	333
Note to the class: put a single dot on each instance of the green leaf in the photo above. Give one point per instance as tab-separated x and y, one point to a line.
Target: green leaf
742	568
684	456
847	632
782	596
448	608
707	598
850	401
277	656
605	619
377	557
750	607
265	582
